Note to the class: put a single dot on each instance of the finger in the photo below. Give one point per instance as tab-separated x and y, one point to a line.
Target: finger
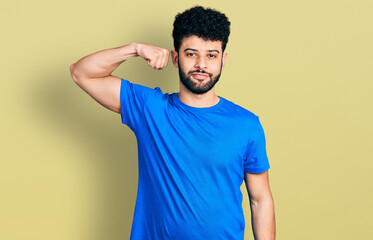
167	58
151	63
164	59
159	64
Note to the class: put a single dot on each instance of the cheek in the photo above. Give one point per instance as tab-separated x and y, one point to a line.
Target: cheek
184	69
216	68
187	65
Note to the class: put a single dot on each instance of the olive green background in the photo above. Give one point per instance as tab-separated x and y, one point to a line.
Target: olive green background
68	168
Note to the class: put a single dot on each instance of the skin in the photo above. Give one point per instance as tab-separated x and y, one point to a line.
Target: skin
196	54
93	74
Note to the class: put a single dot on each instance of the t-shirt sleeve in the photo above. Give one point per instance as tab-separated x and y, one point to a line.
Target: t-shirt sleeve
133	98
256	160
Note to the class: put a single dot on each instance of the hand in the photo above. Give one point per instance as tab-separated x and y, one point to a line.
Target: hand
156	57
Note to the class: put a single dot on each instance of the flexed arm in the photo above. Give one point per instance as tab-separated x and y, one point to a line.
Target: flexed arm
93	72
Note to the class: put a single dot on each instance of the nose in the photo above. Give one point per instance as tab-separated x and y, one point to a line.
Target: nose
201	62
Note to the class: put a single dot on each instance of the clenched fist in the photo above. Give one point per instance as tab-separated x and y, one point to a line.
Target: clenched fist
156	57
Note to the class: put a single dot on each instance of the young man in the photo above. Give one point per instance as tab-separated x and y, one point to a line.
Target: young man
195	148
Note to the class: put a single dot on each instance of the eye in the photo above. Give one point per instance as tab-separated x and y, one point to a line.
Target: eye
191	54
212	56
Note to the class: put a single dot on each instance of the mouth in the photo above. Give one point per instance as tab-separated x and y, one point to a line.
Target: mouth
200	76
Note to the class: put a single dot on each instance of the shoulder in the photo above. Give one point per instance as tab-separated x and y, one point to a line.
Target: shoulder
240	112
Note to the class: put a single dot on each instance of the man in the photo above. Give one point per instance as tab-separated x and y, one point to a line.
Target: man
194	148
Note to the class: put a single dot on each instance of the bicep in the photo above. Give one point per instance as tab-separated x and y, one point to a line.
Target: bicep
105	90
257	185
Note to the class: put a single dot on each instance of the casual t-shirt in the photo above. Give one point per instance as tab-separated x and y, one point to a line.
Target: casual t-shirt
191	164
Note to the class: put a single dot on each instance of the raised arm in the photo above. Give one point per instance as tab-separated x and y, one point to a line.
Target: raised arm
93	72
262	207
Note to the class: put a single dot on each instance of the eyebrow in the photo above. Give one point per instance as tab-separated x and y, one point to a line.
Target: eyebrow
192	49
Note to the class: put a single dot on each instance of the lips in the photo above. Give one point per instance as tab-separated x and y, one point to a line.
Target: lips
200	76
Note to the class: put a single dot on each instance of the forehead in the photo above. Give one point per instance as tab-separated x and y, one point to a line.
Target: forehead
200	44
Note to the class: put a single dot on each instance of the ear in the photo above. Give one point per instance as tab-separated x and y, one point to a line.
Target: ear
225	55
174	58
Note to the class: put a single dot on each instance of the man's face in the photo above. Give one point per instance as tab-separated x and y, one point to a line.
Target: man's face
200	63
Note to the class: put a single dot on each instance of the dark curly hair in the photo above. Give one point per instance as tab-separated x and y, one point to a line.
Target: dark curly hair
207	24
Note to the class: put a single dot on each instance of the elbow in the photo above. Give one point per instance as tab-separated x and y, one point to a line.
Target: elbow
263	199
73	74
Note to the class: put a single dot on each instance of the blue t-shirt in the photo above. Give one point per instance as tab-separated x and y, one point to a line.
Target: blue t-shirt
191	164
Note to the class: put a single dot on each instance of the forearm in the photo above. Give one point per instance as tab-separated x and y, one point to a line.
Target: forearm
103	63
263	219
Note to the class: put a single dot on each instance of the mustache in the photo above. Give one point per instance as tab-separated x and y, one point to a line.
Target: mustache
199	71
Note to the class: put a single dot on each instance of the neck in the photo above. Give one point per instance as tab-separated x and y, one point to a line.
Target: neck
207	99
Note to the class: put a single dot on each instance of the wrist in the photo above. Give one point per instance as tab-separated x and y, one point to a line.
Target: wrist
126	51
136	47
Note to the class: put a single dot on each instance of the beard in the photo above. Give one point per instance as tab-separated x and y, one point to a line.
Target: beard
198	87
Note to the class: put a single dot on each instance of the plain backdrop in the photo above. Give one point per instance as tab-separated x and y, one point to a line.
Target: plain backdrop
68	167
